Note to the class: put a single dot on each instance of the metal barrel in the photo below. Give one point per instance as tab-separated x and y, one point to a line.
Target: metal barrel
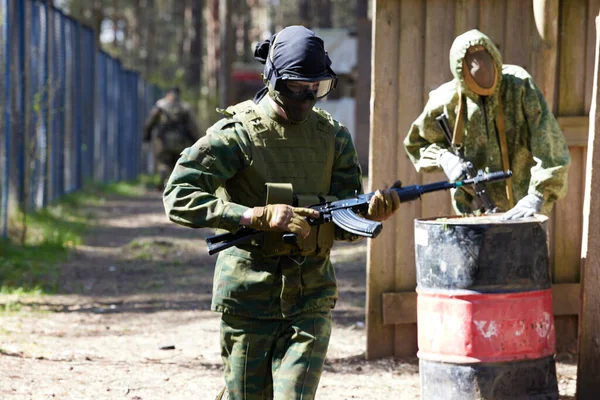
484	309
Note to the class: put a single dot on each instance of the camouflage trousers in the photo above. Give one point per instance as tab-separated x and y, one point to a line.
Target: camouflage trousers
274	359
165	162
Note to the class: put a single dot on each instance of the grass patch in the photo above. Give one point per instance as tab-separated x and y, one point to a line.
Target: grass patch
148	249
32	267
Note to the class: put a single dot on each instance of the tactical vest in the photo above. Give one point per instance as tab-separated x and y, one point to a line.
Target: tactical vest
291	164
172	132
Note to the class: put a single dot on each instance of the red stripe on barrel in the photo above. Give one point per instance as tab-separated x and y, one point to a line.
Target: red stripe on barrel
467	328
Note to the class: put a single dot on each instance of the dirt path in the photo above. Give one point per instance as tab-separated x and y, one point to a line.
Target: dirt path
132	321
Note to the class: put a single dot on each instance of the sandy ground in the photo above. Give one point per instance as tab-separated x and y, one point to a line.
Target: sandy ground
132	320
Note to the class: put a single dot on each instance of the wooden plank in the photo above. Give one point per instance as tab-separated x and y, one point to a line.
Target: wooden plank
439	35
568	217
544	68
593	9
467	16
588	365
412	43
575	130
519	18
492	16
401	307
363	91
382	167
565	298
571	103
572	65
544	57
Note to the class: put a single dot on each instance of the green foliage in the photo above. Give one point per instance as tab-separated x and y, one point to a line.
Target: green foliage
33	268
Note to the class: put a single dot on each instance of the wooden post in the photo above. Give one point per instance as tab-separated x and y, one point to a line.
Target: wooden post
410	82
592	11
588	384
439	36
382	167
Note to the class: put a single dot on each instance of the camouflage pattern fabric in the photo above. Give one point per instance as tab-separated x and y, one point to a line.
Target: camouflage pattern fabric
274	359
175	129
538	154
276	322
246	282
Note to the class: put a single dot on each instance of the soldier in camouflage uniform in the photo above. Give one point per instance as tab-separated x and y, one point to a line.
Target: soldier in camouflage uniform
175	128
502	121
257	168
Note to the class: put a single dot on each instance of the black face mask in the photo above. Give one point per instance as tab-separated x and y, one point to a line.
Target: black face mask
296	111
295	54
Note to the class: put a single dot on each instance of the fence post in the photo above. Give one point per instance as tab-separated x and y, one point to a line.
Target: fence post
21	134
7	121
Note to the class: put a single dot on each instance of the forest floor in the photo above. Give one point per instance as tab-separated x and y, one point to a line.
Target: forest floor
132	320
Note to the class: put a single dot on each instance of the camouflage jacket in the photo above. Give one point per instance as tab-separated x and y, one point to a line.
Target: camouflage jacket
538	154
245	282
166	113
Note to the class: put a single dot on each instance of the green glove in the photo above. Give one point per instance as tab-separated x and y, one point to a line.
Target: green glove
384	203
283	218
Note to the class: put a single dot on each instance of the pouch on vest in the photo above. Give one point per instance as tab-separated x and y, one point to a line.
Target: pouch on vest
321	237
277	193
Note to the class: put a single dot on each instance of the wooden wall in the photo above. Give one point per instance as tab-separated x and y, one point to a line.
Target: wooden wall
554	41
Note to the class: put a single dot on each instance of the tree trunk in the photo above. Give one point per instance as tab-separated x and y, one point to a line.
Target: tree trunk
194	72
324	14
97	18
304	12
179	28
226	46
151	37
248	50
136	32
213	46
115	20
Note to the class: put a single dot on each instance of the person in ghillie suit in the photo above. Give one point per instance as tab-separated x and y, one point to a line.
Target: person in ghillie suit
171	126
259	167
502	121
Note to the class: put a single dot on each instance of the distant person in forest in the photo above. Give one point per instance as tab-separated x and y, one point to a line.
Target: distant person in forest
501	121
259	167
171	126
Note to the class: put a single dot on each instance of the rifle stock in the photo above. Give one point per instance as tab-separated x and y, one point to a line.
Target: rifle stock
346	213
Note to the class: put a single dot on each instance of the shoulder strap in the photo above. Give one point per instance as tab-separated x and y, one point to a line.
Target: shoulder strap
504	151
245	112
459	126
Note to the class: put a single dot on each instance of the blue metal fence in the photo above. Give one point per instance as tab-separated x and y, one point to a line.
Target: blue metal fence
69	112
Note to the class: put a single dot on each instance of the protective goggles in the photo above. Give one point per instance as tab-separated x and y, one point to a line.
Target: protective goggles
303	89
296	86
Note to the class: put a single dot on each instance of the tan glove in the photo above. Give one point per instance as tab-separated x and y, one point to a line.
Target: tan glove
284	218
384	203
